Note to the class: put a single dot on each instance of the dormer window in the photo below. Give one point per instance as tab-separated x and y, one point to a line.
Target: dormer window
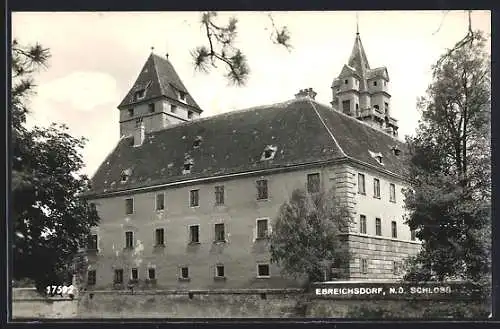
125	175
396	150
139	94
269	152
130	112
182	96
197	142
188	164
377	156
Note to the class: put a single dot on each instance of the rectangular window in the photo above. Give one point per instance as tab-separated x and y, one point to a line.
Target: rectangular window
151	107
262	189
92	244
118	276
413	234
129	239
361	184
138	123
160	201
364	266
129	206
362	224
151	273
134	274
374	83
396	267
386	107
392	192
394	229
262	226
130	112
219	195
313	183
194	198
194	233
346	106
184	272
160	237
219	271
376	188
378	226
190	114
263	270
173	108
220	235
91	277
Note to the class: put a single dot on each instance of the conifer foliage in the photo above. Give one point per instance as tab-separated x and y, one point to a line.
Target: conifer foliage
50	222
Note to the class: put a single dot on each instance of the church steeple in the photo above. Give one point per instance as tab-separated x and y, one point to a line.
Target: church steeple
362	92
157	99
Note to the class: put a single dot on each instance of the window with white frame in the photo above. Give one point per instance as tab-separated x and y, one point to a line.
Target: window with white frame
263	270
392	192
160	201
219	271
361	184
194	233
262	228
220	234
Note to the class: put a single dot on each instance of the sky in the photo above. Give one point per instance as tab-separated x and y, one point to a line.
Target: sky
96	57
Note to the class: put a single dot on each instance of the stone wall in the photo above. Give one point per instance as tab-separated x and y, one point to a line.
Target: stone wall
256	303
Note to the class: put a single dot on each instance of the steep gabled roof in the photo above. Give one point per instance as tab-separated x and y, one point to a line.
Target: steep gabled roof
379	72
160	79
301	131
358	59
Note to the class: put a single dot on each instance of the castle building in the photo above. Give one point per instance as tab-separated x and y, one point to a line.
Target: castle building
188	202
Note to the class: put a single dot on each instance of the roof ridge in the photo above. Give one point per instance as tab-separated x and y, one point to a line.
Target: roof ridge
162	88
229	113
326	127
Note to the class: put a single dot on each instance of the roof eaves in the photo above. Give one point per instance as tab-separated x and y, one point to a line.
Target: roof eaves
377	168
215	178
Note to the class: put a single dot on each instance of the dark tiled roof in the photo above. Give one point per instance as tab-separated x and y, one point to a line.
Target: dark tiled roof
161	79
356	139
377	72
234	143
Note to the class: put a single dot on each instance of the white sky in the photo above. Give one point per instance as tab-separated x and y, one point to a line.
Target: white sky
96	58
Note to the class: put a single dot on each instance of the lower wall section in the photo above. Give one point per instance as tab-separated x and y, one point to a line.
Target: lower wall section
384	257
242	304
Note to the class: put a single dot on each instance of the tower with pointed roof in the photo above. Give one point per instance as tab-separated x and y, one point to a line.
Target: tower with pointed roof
157	100
363	92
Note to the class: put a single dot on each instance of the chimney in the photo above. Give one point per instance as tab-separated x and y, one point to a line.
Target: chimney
139	134
306	93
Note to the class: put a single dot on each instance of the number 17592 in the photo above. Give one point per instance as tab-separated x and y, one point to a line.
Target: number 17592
59	290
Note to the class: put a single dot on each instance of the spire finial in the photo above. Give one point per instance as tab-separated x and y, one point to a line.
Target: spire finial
357	23
152	49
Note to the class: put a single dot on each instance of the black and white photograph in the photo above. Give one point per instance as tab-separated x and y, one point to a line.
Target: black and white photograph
304	165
